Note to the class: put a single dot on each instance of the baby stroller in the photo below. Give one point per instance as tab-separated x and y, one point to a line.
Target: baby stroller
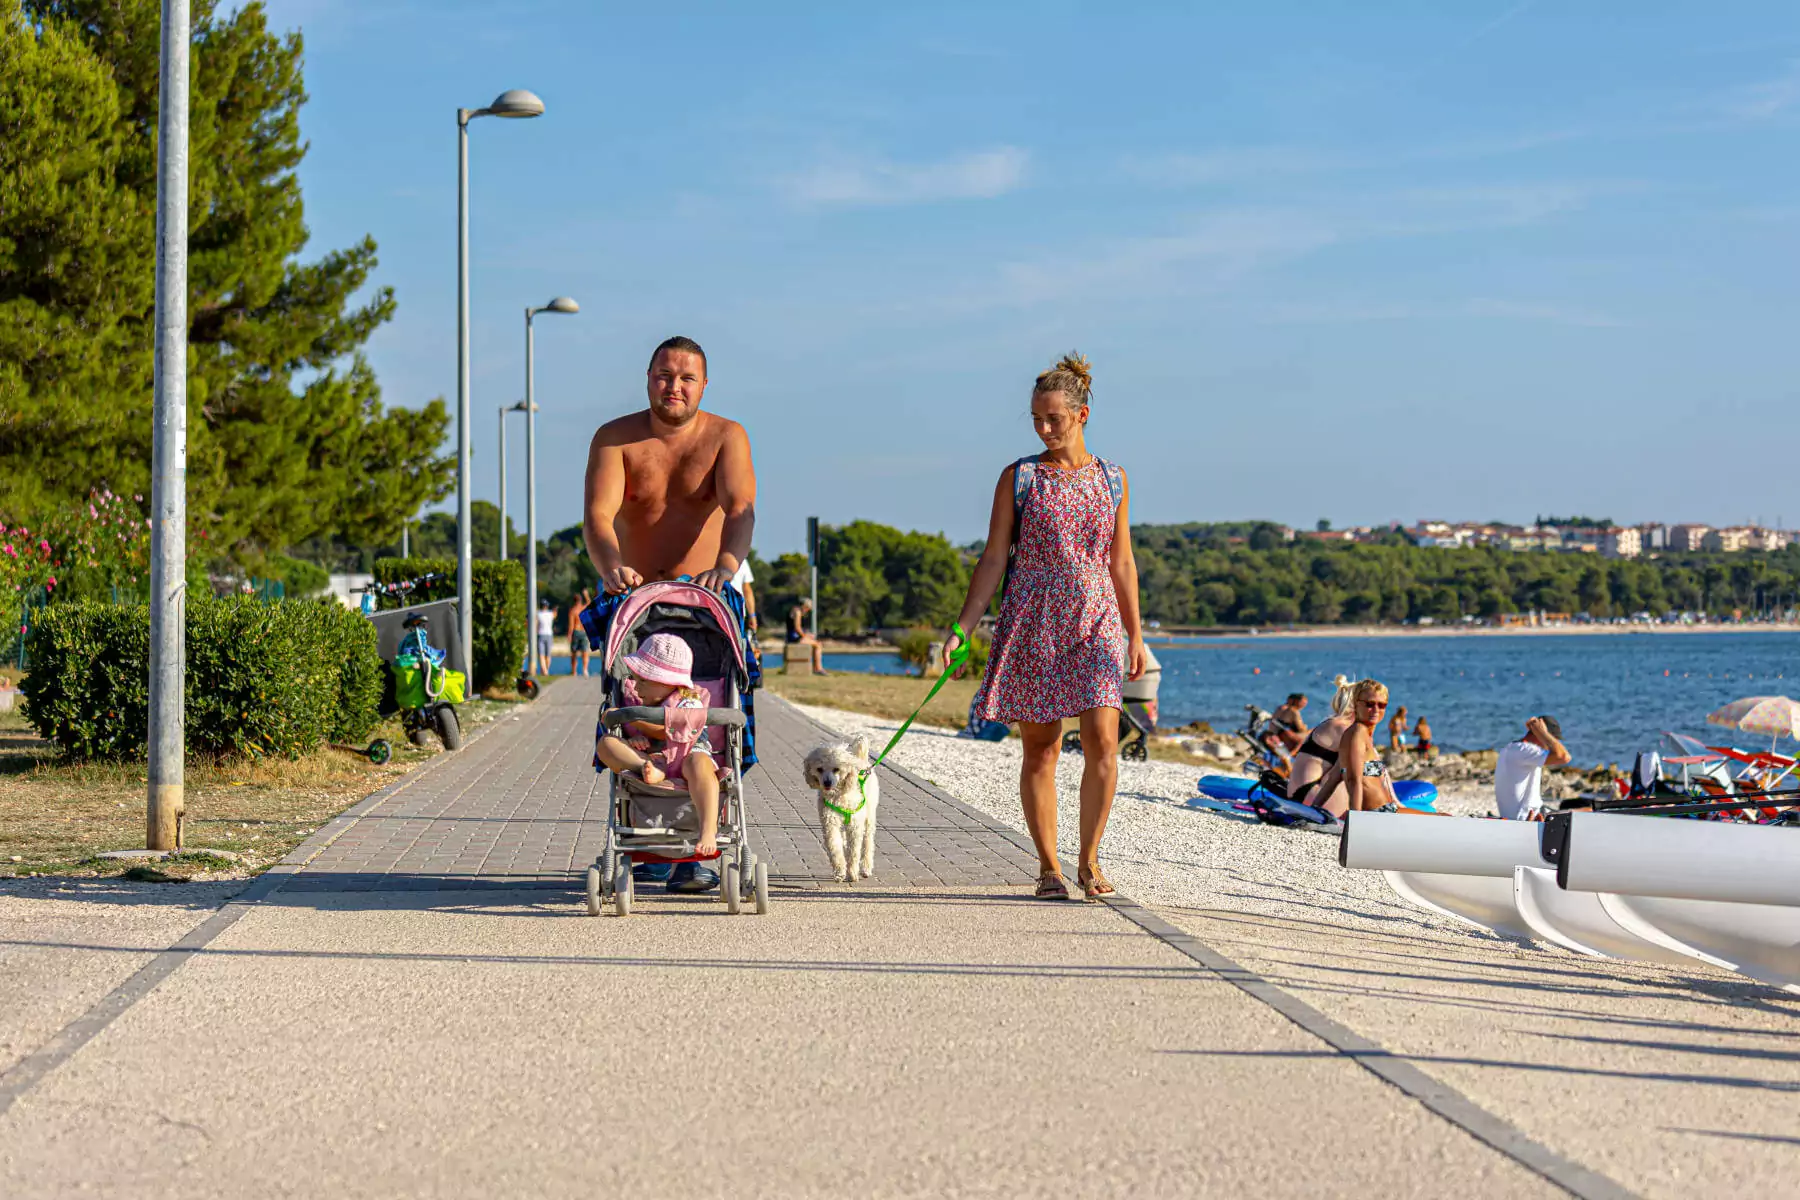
658	822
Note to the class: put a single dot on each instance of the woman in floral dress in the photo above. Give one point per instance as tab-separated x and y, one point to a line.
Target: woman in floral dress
1068	633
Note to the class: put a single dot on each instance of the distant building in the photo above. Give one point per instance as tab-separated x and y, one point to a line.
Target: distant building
1771	540
1653	537
1325	535
1728	541
1688	537
1622	543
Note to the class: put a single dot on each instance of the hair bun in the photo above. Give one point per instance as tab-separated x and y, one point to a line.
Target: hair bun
1077	365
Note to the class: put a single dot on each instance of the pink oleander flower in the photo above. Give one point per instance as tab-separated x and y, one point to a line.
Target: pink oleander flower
95	513
45	546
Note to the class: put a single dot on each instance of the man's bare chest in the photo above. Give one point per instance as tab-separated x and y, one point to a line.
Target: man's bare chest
657	479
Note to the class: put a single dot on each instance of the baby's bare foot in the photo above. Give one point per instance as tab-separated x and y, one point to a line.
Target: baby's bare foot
708	846
653	773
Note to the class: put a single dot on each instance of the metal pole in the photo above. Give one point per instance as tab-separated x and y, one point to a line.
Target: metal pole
813	616
168	482
405	545
503	546
531	596
464	610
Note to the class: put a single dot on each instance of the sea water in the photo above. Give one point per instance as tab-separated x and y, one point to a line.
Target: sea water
1613	693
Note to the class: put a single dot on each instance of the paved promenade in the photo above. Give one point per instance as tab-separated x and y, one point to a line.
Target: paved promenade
418	1005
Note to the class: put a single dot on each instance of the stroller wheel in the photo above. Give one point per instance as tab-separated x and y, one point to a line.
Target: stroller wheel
622	890
1072	742
750	875
733	889
380	751
593	891
527	687
448	729
762	888
1135	751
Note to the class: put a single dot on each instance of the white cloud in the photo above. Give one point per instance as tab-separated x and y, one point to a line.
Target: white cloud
1550	313
1769	98
979	176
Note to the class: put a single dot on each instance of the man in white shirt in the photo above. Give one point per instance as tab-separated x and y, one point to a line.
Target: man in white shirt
1519	769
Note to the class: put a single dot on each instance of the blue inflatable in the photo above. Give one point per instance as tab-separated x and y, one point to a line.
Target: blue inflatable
1412	793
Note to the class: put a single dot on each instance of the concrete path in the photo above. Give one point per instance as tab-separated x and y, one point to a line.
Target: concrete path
417	1004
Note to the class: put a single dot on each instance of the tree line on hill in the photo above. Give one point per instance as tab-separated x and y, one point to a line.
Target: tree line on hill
1196	574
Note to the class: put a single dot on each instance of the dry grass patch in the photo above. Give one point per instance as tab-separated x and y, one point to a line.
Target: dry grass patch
889	696
55	816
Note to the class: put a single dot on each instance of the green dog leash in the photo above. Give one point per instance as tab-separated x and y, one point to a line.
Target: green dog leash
957	659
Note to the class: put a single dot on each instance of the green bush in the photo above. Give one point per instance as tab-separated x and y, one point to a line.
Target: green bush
499	604
914	647
262	678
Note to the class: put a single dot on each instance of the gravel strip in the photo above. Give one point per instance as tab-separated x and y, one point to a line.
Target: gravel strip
1157	849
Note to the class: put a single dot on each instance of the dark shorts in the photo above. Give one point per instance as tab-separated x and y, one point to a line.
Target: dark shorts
794	636
578	640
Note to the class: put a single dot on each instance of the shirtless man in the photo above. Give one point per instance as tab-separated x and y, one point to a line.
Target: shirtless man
670	491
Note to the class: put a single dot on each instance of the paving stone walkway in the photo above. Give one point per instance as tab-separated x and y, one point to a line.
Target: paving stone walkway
520	805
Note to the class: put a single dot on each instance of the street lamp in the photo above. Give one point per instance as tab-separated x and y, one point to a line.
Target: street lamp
562	304
514	103
504	409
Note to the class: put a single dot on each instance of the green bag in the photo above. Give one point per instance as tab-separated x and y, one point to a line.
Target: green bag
409	683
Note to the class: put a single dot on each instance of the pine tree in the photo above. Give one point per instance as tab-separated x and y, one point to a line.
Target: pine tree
287	436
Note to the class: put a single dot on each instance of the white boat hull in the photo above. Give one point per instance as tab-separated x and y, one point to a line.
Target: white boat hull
1578	921
1687	860
1461	846
1484	901
1761	941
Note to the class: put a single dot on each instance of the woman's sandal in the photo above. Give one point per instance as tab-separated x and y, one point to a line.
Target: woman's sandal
1093	883
1050	886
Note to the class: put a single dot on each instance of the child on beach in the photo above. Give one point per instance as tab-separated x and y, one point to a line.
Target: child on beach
662	670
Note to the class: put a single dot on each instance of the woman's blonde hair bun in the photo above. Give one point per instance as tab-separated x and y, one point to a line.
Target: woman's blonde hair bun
1073	376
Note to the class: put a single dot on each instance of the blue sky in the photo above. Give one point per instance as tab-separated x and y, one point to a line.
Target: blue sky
1366	262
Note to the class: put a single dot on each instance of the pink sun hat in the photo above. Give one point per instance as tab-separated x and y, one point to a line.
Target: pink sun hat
662	658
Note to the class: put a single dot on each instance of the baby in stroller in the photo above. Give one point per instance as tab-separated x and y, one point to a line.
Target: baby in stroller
661	673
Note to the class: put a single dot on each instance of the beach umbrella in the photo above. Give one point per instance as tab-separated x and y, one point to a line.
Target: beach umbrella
1776	716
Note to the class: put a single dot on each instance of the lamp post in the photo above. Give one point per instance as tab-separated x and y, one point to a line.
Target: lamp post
168	454
562	304
504	409
513	104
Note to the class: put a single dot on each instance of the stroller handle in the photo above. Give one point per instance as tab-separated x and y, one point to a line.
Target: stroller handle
613	718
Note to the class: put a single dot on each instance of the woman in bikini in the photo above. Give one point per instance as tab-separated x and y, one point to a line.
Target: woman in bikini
1359	780
1319	752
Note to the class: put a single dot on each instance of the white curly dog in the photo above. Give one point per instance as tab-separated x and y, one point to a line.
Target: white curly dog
833	770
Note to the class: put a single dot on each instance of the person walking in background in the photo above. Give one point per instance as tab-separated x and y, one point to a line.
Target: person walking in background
742	581
580	648
1397	731
546	637
1422	732
1519	769
1059	535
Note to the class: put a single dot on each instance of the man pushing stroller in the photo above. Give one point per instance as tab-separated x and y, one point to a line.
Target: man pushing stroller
670	492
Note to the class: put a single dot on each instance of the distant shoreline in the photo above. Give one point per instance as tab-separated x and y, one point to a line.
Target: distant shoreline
1401	631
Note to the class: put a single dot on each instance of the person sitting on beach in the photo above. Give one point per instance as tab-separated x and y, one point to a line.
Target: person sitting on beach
1519	769
1289	725
662	673
1359	781
797	635
1422	731
1397	731
1318	752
